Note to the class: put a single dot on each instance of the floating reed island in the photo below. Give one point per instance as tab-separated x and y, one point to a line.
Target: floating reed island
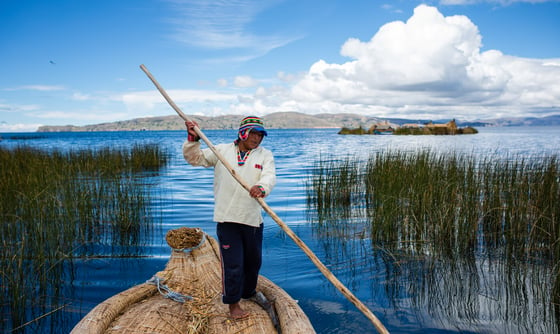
56	206
430	128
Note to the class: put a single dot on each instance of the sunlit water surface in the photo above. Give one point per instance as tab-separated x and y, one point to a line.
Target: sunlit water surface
184	198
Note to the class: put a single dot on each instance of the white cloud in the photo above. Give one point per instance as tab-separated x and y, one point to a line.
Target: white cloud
428	48
391	8
18	108
146	99
5	127
214	24
151	98
219	25
245	81
429	66
209	103
81	97
81	116
42	88
222	82
287	77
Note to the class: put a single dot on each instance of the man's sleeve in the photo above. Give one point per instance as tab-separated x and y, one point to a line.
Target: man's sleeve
196	156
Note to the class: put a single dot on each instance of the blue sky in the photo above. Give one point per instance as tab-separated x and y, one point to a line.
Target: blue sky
77	62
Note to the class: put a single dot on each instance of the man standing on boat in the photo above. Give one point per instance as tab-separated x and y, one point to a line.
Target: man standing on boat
237	213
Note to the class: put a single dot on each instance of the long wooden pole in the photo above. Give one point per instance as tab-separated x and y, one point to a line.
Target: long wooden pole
328	274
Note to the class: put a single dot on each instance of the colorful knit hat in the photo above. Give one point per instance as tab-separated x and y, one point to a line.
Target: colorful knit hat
250	123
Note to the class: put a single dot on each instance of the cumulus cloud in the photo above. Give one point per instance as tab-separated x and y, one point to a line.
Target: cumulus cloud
429	66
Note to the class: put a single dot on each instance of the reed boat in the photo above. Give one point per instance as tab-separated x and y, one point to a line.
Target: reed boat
185	297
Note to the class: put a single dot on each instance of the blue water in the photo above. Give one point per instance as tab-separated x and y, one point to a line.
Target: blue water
185	195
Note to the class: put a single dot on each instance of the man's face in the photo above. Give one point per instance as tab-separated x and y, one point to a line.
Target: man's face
254	140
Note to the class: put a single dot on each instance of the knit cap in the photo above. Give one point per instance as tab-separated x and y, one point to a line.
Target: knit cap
250	123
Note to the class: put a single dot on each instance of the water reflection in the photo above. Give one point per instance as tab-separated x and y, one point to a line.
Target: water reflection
472	293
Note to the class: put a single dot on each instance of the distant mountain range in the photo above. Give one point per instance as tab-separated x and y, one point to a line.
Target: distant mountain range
286	120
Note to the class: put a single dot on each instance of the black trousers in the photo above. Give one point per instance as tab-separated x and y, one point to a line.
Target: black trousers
241	252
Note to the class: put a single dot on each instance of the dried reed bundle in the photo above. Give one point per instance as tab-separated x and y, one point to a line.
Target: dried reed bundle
184	237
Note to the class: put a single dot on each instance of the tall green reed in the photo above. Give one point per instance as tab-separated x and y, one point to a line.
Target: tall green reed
57	205
419	200
445	201
432	214
334	186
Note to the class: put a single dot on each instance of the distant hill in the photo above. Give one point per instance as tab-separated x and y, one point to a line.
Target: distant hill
283	120
526	121
278	120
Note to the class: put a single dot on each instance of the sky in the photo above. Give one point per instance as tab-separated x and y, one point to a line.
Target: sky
77	62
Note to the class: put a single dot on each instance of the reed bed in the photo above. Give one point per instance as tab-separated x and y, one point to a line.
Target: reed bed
454	203
55	206
438	212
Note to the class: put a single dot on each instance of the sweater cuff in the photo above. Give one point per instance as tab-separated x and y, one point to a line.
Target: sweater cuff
193	137
263	192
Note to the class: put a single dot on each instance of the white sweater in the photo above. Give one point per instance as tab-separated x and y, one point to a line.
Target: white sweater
232	201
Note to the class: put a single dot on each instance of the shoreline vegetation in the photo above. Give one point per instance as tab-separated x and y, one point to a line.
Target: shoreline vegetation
456	216
58	206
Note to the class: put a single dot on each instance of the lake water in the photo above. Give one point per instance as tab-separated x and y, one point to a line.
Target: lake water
184	198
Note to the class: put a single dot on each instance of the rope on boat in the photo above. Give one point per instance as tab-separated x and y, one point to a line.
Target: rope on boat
166	292
163	289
